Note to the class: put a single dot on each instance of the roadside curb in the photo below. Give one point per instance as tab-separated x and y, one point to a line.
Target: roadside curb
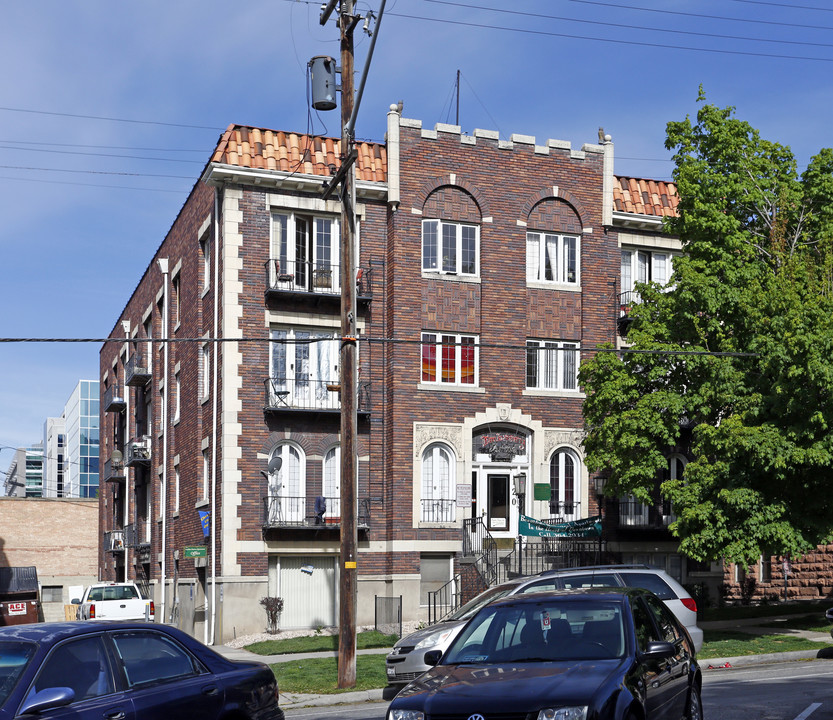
292	700
765	658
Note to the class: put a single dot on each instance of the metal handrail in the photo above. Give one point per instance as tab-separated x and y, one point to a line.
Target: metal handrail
299	511
441	510
299	393
311	276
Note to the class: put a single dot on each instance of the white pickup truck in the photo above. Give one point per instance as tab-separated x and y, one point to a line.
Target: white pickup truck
114	601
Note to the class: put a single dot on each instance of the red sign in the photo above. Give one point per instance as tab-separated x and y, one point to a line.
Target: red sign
17	608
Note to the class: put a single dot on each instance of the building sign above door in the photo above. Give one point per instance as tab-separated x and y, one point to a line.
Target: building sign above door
502	446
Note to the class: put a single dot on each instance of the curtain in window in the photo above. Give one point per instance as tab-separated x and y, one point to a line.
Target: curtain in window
563	490
532	256
449	350
570	264
626	275
332	482
286	487
429	358
551	259
467	361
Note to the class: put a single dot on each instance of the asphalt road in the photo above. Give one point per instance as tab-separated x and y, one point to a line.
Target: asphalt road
778	691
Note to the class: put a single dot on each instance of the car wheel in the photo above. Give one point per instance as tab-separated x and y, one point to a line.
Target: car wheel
694	708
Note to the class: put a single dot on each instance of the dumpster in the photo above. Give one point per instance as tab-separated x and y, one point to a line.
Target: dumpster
18	595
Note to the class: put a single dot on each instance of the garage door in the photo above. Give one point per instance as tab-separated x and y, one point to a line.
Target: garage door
309	588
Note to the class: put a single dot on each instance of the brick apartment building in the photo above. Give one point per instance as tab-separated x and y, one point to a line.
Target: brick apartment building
486	269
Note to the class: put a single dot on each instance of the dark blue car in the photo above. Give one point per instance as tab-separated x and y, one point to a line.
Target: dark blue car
126	671
600	654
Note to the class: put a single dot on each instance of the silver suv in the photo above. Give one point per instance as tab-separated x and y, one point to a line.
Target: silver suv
406	661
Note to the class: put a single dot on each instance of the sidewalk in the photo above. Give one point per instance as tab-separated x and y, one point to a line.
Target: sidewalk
750	625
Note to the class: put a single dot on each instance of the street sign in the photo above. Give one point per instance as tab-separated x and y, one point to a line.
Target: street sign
194	551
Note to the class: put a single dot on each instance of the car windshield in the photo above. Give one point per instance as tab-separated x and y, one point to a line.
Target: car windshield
14	657
473	605
551	629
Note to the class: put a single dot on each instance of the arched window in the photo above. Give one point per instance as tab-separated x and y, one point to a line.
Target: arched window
438	489
565	492
287	485
332	482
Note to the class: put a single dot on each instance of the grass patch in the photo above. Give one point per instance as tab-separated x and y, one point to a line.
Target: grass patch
731	643
739	612
320	675
320	643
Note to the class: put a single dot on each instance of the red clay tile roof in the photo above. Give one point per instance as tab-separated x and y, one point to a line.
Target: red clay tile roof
314	155
645	197
290	152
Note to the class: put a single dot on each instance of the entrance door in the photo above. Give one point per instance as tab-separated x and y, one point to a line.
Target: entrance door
498	502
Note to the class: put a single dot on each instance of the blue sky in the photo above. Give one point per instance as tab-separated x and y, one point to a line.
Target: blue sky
108	112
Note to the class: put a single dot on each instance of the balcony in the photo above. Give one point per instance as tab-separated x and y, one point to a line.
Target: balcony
138	451
637	515
137	371
302	279
626	301
113	399
438	511
293	395
563	512
134	535
113	471
114	541
280	511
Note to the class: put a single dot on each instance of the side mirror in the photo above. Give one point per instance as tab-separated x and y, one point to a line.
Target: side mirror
432	657
829	615
47	699
76	601
657	650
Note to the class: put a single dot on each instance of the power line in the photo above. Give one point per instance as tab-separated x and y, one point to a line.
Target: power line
369	340
95	185
111	119
785	5
95	172
107	155
698	15
628	27
571	36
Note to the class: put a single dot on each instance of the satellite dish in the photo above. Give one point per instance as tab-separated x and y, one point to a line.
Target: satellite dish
275	464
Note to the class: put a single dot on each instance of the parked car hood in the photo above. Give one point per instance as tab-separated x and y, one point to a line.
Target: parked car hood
508	687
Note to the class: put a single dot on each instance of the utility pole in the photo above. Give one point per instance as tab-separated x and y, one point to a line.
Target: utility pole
348	365
348	380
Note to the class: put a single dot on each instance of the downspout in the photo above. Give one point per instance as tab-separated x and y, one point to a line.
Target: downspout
126	327
163	500
394	116
214	429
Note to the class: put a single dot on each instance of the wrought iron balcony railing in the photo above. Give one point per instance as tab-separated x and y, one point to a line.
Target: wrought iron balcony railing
137	370
280	511
113	471
136	535
635	514
438	511
113	399
284	393
320	278
114	541
561	511
138	451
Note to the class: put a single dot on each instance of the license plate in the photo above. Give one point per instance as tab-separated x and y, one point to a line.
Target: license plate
391	672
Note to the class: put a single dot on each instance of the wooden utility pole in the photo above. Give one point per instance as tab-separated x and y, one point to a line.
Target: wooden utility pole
348	379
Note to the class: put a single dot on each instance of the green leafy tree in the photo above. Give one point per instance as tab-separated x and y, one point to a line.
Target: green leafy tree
734	362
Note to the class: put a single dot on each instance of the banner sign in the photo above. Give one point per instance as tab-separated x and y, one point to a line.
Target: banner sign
205	521
587	527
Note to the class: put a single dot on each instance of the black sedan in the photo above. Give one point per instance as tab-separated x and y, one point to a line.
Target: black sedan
573	655
126	671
